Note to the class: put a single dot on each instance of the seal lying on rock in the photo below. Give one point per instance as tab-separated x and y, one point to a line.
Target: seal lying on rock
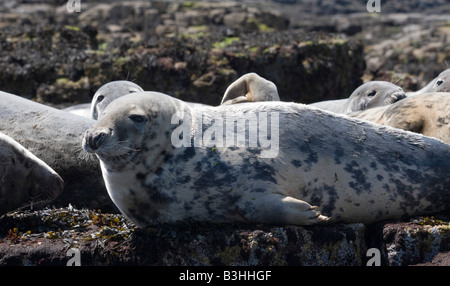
24	178
427	113
439	84
54	136
250	88
369	95
165	162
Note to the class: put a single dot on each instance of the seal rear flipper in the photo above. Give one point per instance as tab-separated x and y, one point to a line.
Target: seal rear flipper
279	209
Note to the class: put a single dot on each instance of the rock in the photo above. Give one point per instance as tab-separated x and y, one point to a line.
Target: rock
66	60
105	239
43	238
441	259
410	243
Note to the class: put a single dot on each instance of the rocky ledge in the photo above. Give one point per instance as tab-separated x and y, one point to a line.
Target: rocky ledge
44	238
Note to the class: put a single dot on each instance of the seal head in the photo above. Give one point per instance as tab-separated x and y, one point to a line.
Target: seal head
109	92
373	94
439	84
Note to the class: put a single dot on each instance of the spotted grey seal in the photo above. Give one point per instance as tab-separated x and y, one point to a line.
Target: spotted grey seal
250	88
427	113
328	167
439	84
369	95
24	178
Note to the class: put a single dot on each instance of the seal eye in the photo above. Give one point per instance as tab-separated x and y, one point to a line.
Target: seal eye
137	118
100	98
372	93
439	82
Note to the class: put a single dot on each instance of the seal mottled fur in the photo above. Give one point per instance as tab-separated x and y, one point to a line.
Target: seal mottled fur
328	167
427	114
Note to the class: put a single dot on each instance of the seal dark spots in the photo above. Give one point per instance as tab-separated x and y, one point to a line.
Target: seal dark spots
159	171
184	179
166	156
188	153
373	165
380	178
198	166
296	163
187	206
259	170
215	173
360	184
442	121
338	154
257	190
254	151
140	176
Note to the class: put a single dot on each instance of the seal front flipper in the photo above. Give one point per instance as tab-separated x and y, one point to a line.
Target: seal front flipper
280	209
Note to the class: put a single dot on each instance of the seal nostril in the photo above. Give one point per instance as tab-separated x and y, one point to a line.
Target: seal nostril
99	139
96	140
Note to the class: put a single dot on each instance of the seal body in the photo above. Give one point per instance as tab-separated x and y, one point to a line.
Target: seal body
327	167
24	178
83	109
427	113
439	84
250	88
369	95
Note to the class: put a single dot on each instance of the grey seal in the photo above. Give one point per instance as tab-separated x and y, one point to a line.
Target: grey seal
439	84
427	114
102	97
109	92
82	109
24	178
328	167
250	88
369	95
54	136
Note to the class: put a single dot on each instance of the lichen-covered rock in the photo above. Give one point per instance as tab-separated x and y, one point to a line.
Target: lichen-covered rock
43	238
175	48
409	243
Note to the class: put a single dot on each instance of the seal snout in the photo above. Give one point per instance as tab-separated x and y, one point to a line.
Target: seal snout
94	139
